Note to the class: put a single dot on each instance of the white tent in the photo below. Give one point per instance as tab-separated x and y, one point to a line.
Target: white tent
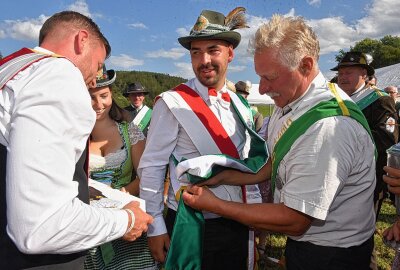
256	99
389	75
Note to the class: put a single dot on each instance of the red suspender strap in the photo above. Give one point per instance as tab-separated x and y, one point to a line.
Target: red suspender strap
16	54
209	120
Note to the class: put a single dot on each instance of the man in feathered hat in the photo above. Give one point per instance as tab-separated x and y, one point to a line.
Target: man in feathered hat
378	107
196	119
141	114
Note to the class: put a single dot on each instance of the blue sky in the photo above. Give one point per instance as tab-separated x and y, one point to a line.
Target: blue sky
143	34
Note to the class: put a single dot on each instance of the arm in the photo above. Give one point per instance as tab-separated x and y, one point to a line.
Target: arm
137	147
161	142
279	218
235	177
52	119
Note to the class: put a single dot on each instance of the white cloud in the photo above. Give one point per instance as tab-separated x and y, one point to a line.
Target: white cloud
2	34
315	3
124	61
174	53
27	29
80	6
185	70
137	25
382	19
183	31
236	68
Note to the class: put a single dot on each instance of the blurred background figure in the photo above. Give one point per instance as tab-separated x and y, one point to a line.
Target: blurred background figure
141	114
243	88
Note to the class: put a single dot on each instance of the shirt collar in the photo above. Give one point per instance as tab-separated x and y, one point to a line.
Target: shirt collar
203	90
317	81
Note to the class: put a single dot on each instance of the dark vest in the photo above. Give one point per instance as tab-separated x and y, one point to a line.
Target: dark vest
10	257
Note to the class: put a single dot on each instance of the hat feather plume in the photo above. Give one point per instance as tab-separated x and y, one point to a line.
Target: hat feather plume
236	19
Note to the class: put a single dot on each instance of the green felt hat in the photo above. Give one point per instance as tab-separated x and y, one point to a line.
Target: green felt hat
214	25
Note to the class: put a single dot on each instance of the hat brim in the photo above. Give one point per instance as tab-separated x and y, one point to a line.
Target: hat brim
370	70
111	74
135	92
231	36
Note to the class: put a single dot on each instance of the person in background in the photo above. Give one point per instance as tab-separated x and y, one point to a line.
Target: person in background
376	105
116	145
393	92
243	88
176	133
141	114
323	170
45	121
372	80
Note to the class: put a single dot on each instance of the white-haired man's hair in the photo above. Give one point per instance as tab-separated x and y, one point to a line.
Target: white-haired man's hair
292	38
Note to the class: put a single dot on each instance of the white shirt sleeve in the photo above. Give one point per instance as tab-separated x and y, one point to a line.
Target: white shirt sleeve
161	142
51	120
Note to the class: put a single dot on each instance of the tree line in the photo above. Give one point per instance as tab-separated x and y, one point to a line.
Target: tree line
385	51
155	83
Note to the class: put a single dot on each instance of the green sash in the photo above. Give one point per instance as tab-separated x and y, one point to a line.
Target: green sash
144	121
370	98
186	247
324	109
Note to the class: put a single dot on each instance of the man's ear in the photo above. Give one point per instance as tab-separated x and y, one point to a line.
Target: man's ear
231	54
306	65
81	41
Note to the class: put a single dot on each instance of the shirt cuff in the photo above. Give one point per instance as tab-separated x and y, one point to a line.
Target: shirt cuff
157	227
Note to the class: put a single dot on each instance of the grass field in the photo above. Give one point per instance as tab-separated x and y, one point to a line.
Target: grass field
276	243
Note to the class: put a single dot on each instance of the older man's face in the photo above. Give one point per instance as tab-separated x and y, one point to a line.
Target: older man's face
351	78
392	91
278	81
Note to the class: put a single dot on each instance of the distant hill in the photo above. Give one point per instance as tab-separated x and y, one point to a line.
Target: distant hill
155	83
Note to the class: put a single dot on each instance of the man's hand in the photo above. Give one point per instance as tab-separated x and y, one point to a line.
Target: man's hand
392	179
393	232
141	222
159	246
200	198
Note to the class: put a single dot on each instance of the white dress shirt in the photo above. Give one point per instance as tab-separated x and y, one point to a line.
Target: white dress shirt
45	119
166	136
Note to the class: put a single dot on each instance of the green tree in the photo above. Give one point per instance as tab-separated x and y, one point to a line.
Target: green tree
385	51
1	56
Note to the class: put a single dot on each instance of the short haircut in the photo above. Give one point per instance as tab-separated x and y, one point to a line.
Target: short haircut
77	20
292	38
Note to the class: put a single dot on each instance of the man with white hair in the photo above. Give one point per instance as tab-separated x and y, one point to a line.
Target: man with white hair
322	167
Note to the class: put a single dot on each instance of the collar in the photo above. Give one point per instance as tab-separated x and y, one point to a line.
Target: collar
319	80
203	90
42	50
358	91
137	108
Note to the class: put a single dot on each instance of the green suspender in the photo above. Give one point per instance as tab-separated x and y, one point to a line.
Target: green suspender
145	120
333	107
370	98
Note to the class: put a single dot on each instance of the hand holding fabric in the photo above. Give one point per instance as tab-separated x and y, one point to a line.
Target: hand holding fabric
200	198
